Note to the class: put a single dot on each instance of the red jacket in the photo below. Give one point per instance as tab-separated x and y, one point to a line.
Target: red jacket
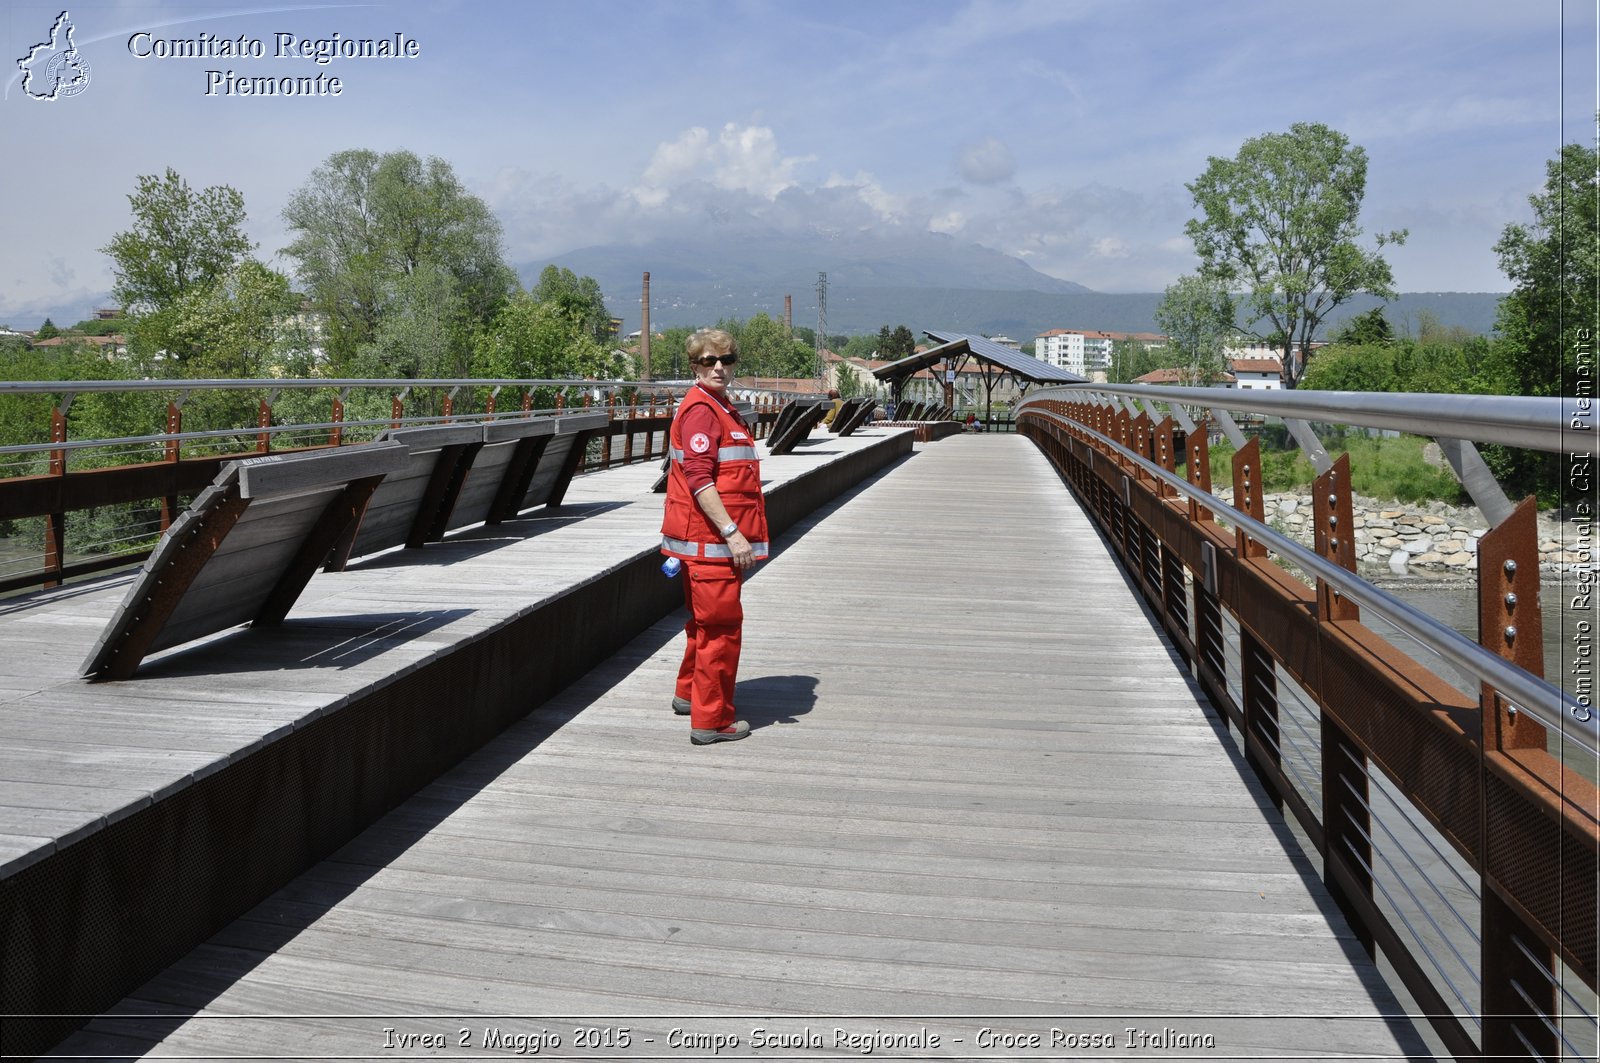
687	532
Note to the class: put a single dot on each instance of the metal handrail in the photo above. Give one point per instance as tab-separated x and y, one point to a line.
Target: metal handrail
1512	420
55	387
1551	705
310	426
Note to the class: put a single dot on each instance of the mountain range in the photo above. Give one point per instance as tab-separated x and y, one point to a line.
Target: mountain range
923	280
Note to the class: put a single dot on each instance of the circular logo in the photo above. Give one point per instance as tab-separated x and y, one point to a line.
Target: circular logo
67	73
699	443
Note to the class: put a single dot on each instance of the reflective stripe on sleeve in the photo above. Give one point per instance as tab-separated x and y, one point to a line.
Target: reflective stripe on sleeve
723	454
717	550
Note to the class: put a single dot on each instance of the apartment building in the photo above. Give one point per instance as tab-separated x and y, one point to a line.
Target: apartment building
1086	351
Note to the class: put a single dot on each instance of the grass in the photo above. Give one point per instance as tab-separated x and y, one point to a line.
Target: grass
1380	467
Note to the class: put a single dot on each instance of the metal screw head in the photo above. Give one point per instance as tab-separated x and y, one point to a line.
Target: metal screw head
1247	470
1511	601
1336	543
1511	633
1511	566
1333	520
1333	500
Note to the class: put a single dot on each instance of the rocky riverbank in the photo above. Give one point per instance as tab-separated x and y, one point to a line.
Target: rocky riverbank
1404	538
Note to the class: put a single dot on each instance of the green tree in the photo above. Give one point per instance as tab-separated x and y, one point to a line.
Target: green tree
181	240
1279	224
543	341
392	235
1551	314
237	326
1196	313
1369	328
902	344
1554	265
864	346
668	359
578	297
1131	359
47	331
766	349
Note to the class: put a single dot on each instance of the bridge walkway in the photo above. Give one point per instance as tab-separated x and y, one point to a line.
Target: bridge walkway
980	785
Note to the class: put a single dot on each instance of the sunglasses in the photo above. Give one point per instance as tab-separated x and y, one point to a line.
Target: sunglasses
709	360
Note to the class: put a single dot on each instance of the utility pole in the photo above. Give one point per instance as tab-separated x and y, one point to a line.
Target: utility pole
822	320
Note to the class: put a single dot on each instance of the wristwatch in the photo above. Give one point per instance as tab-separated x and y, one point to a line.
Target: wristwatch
732	527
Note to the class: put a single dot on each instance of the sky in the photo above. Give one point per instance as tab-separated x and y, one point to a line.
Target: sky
1059	131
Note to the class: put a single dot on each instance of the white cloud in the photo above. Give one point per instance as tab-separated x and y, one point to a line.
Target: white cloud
1109	247
949	222
866	187
987	162
741	158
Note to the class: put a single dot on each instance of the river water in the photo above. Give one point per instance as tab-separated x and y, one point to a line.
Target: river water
1568	645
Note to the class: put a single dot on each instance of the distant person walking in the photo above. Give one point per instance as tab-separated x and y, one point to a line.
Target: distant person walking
716	522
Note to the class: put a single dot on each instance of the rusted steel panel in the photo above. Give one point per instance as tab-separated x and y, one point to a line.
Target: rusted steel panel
1247	494
1509	619
1541	859
1414	725
1333	536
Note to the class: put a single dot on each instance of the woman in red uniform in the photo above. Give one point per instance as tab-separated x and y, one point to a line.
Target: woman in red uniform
716	522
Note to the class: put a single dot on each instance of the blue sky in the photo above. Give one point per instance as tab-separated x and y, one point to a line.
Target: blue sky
1061	131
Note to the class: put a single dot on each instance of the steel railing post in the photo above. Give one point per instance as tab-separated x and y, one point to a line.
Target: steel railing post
169	503
1510	624
55	524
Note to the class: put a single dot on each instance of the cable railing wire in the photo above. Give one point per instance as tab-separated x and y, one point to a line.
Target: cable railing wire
1427	839
1537	1011
1421	943
1373	817
1582	1012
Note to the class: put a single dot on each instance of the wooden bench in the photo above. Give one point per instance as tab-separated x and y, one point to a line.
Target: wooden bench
857	418
243	551
785	437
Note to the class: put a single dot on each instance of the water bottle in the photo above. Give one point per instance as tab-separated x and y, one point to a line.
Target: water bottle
671	567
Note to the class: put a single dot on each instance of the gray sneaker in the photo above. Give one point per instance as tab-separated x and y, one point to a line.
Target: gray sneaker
680	705
732	733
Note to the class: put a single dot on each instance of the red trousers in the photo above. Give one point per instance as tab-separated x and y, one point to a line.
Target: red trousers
714	629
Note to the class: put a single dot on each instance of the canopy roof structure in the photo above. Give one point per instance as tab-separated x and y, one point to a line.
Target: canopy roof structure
997	362
953	345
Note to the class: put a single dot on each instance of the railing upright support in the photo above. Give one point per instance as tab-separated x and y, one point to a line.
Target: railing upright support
611	419
1197	468
1247	497
55	525
169	503
627	440
1347	819
336	433
264	420
1510	624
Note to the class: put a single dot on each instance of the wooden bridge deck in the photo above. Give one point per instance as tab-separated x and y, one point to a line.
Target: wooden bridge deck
980	792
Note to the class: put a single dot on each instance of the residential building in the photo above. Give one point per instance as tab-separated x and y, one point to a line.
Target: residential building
1176	378
1086	352
1257	374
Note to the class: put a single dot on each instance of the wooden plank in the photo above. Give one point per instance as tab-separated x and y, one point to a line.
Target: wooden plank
955	802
